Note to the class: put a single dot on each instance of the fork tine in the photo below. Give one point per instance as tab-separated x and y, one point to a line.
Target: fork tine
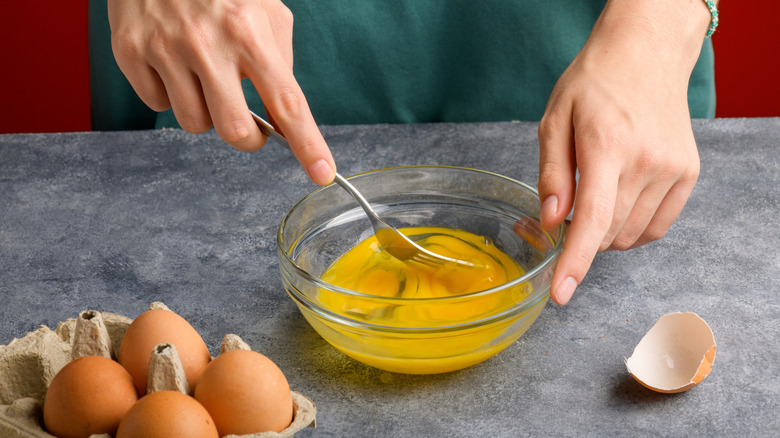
402	247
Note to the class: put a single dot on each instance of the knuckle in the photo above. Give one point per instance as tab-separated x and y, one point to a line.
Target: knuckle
309	145
653	234
691	174
199	128
288	103
157	101
581	259
236	132
199	36
648	160
548	125
240	22
623	242
237	23
194	124
159	47
249	147
282	14
600	213
126	50
167	45
606	138
550	170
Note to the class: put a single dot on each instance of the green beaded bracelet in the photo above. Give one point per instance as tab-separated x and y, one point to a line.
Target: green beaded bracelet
714	20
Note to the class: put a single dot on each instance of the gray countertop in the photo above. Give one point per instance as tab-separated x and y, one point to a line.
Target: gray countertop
114	221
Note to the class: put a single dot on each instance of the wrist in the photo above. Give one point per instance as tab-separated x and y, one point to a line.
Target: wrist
658	34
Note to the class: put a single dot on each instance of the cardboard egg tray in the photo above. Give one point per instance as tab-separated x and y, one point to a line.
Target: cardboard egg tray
28	365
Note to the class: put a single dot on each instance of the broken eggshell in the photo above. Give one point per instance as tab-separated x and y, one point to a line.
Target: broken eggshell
675	355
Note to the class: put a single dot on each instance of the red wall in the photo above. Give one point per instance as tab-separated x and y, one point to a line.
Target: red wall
44	85
747	58
45	72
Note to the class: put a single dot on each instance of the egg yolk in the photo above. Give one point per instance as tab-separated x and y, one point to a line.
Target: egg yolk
383	279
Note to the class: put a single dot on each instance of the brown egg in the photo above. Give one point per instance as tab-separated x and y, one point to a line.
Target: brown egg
159	326
245	392
88	396
166	414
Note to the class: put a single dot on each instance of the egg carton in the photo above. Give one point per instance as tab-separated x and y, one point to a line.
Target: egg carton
28	365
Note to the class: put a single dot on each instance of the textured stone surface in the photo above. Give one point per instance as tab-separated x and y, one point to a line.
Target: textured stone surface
114	221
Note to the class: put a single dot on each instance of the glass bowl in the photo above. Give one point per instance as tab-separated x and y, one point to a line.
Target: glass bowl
437	334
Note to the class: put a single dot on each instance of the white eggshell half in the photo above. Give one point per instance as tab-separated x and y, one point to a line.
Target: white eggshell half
675	355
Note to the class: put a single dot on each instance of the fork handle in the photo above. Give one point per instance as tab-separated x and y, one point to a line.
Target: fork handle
269	131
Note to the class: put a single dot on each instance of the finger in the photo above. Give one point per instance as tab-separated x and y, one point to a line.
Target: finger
594	207
228	108
641	213
292	116
281	24
529	230
273	78
557	166
629	203
667	212
144	79
281	21
186	96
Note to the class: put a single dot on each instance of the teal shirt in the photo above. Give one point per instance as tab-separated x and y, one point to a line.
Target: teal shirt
407	61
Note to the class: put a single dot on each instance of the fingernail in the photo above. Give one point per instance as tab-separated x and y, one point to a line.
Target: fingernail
565	290
320	172
549	207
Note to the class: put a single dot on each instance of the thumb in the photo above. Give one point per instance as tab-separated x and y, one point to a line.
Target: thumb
557	166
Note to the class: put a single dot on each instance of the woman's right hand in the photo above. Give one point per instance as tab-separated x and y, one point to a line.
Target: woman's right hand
191	55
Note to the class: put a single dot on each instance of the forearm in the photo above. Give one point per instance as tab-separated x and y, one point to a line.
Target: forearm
670	31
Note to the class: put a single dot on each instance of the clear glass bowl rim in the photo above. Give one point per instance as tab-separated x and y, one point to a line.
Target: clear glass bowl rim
549	258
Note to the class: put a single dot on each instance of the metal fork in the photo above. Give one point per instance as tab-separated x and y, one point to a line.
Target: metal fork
390	239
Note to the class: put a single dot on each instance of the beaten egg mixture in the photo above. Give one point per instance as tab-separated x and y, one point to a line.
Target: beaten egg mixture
371	271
